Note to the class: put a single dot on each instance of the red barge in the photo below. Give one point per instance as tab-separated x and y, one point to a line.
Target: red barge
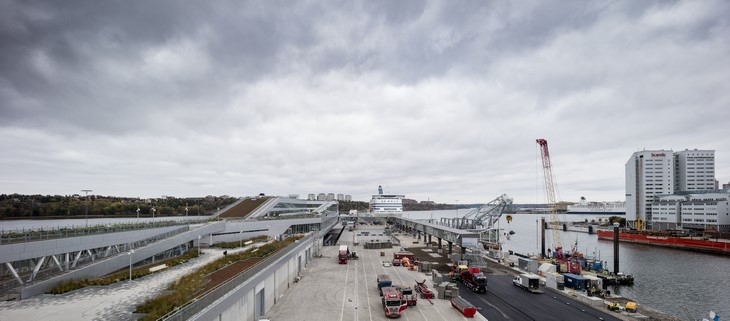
717	246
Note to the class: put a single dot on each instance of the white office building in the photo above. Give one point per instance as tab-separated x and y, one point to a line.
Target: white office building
656	178
701	211
695	170
648	173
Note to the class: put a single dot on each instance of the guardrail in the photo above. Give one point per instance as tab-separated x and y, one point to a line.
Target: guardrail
196	305
41	234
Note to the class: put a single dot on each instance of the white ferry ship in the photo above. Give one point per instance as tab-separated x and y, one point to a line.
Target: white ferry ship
386	204
608	208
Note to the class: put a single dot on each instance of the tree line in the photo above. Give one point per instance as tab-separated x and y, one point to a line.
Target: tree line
70	206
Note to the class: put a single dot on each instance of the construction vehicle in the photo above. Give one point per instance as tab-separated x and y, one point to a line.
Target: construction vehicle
616	307
409	296
384	280
393	302
343	254
455	270
353	255
423	289
630	307
474	279
407	263
528	281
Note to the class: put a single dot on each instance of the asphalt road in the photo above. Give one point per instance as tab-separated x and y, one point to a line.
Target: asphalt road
504	301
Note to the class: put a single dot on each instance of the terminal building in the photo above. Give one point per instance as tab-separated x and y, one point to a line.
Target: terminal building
675	190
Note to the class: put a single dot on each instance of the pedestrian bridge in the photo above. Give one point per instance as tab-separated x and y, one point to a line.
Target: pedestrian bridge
462	238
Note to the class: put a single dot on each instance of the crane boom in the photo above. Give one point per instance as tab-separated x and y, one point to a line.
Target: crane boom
547	169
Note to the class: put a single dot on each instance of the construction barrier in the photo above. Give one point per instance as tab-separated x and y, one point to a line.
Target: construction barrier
466	308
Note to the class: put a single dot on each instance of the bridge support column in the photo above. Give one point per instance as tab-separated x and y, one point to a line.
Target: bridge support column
424	238
429	239
451	247
439	242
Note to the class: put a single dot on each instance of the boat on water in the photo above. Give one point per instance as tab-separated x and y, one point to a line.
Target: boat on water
694	243
386	204
602	208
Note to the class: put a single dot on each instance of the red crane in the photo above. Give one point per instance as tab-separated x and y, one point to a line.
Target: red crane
547	169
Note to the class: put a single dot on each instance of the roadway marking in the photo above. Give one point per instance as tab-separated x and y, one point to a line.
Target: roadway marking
367	293
344	292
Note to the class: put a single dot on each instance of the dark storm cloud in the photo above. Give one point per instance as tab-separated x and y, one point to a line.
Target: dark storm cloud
244	96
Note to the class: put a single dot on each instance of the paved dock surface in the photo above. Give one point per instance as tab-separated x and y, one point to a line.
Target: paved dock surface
332	291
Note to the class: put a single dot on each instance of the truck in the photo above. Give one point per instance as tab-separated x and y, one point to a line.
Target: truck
404	254
474	279
456	269
408	295
393	302
343	254
384	280
528	281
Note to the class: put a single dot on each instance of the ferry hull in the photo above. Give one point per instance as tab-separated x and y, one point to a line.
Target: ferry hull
700	245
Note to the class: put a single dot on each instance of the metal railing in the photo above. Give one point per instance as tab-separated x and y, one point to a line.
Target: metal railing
41	234
8	285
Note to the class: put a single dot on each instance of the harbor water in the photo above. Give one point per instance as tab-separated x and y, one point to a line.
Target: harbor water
681	283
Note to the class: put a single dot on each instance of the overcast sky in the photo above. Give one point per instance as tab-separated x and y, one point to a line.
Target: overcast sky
434	100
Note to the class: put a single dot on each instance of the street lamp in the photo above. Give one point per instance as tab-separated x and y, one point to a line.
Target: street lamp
199	237
186	209
130	263
137	213
457	211
86	210
240	241
153	213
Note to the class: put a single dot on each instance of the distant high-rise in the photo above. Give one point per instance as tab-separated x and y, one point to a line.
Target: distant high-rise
654	173
648	173
694	170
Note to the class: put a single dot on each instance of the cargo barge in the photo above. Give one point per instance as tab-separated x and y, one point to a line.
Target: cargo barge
699	244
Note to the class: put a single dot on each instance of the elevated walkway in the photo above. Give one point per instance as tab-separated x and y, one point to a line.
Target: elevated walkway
462	238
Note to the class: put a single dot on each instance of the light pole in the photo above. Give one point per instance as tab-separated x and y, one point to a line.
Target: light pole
240	241
86	210
137	214
130	263
199	237
153	213
186	209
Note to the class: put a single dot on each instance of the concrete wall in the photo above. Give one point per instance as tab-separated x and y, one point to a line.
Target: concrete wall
273	280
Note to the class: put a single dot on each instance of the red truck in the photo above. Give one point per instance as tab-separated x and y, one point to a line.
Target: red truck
343	254
474	279
393	302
